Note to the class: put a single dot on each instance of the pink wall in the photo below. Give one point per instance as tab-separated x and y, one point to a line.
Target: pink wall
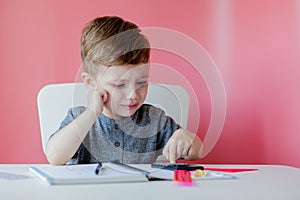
255	45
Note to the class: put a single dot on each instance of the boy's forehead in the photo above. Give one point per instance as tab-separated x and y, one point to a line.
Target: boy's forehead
115	73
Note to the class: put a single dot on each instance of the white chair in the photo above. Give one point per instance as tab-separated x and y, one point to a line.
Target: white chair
54	101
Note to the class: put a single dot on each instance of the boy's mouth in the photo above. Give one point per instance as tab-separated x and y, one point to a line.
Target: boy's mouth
130	106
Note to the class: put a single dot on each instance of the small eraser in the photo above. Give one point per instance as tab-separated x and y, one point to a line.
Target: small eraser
182	176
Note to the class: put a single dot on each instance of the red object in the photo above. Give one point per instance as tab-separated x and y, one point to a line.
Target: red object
182	176
230	170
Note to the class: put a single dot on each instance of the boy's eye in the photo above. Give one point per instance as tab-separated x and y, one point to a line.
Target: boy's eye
142	83
119	85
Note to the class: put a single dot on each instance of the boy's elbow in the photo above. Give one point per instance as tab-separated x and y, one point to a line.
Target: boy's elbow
53	158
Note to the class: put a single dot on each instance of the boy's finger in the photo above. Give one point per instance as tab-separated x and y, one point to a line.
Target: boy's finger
166	151
184	151
172	153
180	149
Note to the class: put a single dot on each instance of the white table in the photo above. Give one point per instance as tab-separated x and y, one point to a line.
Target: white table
269	182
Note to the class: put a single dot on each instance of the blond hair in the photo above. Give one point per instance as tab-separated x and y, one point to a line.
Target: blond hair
111	41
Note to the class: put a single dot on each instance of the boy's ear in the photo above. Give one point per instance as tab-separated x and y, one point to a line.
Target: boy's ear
88	80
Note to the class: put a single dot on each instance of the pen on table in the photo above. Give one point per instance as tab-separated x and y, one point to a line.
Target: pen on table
99	168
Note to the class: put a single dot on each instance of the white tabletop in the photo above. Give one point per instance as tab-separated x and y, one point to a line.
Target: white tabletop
269	182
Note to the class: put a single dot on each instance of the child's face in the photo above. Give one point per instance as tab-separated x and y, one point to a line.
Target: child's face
127	88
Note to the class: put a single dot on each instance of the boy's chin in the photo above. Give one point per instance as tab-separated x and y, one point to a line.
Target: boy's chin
122	115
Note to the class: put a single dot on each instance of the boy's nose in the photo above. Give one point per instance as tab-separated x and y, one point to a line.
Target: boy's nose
132	93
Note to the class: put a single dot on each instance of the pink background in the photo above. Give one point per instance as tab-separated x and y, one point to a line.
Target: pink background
255	45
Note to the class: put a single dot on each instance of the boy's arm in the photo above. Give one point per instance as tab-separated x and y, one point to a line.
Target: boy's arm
63	145
183	144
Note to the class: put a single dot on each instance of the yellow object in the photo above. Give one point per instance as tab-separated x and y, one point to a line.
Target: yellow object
200	173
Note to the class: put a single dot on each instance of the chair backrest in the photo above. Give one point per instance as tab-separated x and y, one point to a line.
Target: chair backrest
54	101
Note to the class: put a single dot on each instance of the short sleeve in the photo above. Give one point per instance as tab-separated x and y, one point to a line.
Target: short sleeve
71	115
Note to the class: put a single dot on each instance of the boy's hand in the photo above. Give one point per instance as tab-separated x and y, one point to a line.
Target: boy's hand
96	100
182	144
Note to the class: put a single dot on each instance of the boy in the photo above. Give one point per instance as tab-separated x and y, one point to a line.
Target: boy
116	125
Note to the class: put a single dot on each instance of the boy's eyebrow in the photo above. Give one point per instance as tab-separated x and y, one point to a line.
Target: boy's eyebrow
146	76
120	79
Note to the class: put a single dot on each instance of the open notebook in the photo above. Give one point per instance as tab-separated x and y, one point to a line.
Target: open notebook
80	174
85	174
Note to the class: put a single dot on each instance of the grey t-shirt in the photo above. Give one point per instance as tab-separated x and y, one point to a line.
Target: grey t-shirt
139	138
